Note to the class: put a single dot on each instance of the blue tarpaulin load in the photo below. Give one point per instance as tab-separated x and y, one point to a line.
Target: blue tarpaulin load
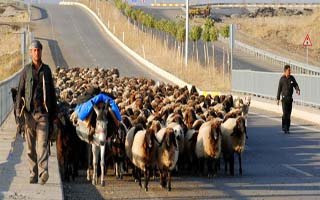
83	110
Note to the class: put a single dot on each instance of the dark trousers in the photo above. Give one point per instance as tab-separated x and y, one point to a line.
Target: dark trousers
286	109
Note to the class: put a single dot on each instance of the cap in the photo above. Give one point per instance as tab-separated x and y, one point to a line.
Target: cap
35	44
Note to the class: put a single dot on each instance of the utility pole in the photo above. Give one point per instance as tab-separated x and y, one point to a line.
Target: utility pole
187	34
23	46
232	36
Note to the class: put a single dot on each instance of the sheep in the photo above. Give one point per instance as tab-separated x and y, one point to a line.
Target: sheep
129	139
168	154
208	146
118	149
179	133
190	117
233	141
144	154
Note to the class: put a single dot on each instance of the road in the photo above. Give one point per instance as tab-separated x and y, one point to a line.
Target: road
276	166
71	38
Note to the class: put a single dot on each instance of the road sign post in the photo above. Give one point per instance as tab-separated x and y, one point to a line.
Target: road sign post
307	43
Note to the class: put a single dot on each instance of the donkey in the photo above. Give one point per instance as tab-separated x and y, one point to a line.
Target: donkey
98	122
99	142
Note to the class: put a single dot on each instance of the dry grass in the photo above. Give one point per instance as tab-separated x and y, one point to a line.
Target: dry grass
286	33
156	51
10	57
9	64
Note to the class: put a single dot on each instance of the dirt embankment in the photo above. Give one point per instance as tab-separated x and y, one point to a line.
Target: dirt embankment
11	19
13	13
282	34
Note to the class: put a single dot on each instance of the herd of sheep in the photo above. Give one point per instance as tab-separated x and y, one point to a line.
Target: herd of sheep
167	128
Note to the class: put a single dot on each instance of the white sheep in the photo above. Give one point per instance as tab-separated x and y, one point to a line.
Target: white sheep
179	133
168	154
144	154
129	140
208	146
233	141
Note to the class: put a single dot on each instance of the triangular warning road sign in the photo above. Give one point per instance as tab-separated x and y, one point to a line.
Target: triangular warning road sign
307	41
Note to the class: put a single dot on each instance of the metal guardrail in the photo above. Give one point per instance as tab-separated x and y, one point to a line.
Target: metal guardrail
259	5
265	84
6	103
297	67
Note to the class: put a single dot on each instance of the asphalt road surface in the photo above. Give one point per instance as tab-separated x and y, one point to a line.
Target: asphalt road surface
72	38
276	166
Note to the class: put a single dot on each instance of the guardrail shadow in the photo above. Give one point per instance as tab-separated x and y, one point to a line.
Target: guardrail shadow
7	169
56	52
43	13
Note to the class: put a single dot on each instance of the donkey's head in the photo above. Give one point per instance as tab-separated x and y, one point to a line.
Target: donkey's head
101	111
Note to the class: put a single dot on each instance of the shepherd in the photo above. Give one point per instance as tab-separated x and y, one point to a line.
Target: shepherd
36	102
285	89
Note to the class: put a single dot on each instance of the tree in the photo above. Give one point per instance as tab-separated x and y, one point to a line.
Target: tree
214	34
128	11
195	35
148	21
206	39
209	23
224	31
181	36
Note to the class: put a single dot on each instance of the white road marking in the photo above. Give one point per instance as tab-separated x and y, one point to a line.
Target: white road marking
293	124
297	170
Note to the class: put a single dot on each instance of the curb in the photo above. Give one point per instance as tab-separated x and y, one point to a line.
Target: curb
314	118
304	115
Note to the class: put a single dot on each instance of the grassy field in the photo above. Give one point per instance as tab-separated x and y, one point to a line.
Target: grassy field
283	34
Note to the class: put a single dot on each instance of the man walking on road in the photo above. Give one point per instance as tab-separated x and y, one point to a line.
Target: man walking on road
285	89
36	99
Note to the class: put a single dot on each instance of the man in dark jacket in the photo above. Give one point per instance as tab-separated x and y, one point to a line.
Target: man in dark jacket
285	89
36	99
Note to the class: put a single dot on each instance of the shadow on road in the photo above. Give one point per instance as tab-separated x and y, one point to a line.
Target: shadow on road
43	13
56	52
7	169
